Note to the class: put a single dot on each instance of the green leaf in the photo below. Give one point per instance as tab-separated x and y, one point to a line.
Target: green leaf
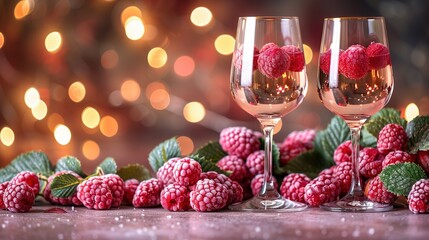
108	166
382	118
310	163
367	139
69	163
418	134
399	178
160	154
328	140
135	171
208	164
64	185
212	151
33	161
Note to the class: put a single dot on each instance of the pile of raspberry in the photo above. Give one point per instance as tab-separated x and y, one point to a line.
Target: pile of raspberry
18	194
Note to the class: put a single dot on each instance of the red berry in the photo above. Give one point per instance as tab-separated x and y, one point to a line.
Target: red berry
391	137
94	193
343	153
354	63
237	193
375	191
293	186
130	187
370	162
379	55
343	174
69	201
187	171
238	58
273	62
18	197
418	198
397	156
165	172
322	189
289	150
296	56
239	141
224	180
255	162
305	136
328	171
268	46
235	165
30	178
148	193
258	181
208	196
423	160
116	186
175	197
325	61
3	187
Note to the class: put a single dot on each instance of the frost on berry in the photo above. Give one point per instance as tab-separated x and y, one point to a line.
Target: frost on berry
165	172
418	198
397	156
208	195
377	192
3	187
423	160
328	171
239	141
237	193
94	193
343	153
391	137
353	62
325	61
293	186
296	56
186	171
235	166
175	197
257	183
69	201
30	178
130	187
296	143
305	136
255	162
343	174
238	58
273	62
116	186
148	193
18	197
370	162
379	55
322	189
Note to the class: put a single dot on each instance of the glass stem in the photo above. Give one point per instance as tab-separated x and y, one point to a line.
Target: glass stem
356	188
268	188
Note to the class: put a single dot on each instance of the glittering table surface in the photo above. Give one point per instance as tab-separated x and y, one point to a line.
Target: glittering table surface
51	222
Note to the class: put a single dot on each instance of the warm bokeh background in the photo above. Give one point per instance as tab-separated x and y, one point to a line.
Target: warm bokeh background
115	78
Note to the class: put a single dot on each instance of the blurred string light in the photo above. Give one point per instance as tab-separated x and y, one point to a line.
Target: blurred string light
134	28
194	112
7	136
278	127
411	111
186	145
128	12
40	110
23	8
184	66
159	99
90	117
31	97
130	90
1	40
109	59
109	126
201	16
53	120
53	42
90	150
157	57
77	91
62	134
308	53
224	44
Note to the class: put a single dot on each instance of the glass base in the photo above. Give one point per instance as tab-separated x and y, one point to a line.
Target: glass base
356	204
260	204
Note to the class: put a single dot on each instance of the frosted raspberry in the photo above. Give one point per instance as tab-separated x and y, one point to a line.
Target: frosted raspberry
18	197
94	193
354	63
375	191
3	187
116	185
379	55
343	174
328	171
257	183
187	171
255	162
370	162
69	201
343	153
130	187
305	136
391	137
289	150
165	172
397	156
296	56
208	196
148	193
293	186
273	62
222	179
175	197
325	61
418	198
238	58
322	189
28	177
268	46
235	165
239	141
237	193
423	160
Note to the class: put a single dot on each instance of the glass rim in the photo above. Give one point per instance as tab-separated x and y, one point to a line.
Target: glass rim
268	17
354	18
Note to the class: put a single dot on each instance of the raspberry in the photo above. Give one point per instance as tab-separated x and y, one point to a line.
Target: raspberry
273	62
238	58
222	179
354	63
257	183
289	150
187	171
268	46
397	156
208	196
148	193
391	137
322	189
370	162
130	187
28	177
375	191
325	61
237	193
3	187
255	162
293	186
305	136
18	197
343	153
328	171
379	55
69	201
239	141
165	172
116	186
235	165
418	198
94	193
296	57
343	174
175	197
423	160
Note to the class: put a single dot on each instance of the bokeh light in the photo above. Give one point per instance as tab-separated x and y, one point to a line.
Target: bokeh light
53	120
1	40
40	110
157	57
130	90
224	44
278	127
53	42
109	126
186	145
31	97
194	112
201	16
134	28
308	53
23	8
90	117
7	136
109	59
130	12
151	87
77	91
159	99
90	150
184	66
411	111
62	134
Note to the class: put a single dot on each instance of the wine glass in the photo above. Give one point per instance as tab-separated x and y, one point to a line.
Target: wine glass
355	81
268	80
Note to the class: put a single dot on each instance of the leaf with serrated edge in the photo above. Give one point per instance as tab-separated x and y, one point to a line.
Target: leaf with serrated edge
108	166
399	178
328	140
33	161
418	134
69	163
207	165
164	151
135	171
310	163
64	185
212	151
382	118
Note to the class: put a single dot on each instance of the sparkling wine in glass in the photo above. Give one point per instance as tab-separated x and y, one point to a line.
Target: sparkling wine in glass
268	80
355	81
